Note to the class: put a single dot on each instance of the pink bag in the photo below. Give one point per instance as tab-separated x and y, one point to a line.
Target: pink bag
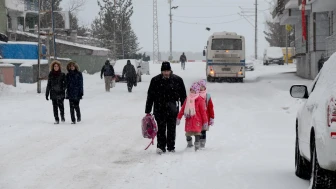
149	128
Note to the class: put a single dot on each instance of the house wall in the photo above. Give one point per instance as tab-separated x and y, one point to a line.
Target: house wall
3	17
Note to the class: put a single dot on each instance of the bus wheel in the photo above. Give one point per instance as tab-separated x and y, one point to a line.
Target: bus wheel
209	79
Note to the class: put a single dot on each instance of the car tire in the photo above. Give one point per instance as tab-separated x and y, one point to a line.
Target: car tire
320	178
302	166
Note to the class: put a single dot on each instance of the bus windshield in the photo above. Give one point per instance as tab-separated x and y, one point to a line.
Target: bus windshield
226	44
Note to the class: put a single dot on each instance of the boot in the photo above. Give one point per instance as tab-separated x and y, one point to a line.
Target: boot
159	151
63	119
190	144
56	122
203	141
197	145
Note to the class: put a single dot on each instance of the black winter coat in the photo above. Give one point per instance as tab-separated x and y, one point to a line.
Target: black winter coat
56	85
165	95
107	70
74	85
129	71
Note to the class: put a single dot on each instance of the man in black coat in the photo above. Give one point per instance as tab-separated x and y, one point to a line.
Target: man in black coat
183	60
108	73
165	91
131	75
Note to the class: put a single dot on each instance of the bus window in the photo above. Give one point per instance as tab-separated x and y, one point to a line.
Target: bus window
226	44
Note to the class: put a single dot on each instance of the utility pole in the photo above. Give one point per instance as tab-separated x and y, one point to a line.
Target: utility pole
256	30
156	51
53	27
39	48
171	31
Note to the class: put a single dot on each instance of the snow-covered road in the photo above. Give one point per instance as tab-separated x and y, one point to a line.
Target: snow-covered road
251	145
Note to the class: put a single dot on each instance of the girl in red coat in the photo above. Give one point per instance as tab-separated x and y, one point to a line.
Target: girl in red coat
209	109
194	111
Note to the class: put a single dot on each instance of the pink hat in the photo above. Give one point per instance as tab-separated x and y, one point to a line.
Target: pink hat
196	87
202	83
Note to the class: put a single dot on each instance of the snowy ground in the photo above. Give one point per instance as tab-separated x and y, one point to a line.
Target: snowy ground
251	145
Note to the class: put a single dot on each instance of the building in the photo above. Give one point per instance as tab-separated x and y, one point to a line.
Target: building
314	19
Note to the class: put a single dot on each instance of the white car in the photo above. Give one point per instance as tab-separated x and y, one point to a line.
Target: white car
119	66
315	151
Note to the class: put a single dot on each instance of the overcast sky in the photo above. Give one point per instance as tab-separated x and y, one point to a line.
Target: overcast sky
191	19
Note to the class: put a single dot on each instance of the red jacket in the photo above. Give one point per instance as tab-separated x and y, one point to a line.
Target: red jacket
210	110
196	122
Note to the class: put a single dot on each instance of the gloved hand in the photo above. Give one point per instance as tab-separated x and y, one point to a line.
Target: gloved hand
178	122
47	98
205	126
212	122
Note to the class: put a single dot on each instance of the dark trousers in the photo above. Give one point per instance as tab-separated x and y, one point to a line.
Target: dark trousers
130	84
168	124
58	104
203	136
183	65
74	106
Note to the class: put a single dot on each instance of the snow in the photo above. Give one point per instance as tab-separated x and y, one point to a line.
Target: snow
274	52
23	62
250	146
6	65
19	43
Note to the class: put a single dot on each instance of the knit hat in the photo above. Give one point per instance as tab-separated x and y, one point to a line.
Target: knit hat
202	83
196	87
165	66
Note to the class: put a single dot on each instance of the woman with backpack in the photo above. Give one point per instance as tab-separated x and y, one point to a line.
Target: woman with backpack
209	108
194	111
74	90
56	89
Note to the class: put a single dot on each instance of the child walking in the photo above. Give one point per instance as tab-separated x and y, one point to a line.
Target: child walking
209	109
194	112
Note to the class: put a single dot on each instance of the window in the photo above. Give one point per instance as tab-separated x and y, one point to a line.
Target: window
227	44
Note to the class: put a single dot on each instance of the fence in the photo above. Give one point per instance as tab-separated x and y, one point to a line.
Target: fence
331	45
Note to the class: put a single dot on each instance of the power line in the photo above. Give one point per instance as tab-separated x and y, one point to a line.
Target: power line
196	23
206	16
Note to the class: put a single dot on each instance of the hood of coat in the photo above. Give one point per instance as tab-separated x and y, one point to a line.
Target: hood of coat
75	64
53	64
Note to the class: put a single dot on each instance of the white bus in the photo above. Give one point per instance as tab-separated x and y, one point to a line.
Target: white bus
225	57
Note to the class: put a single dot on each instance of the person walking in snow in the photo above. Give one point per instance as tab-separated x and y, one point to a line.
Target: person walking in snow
75	90
56	89
209	109
194	112
165	92
108	73
131	76
183	60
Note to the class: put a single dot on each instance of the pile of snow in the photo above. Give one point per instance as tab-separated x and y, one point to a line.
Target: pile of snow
274	52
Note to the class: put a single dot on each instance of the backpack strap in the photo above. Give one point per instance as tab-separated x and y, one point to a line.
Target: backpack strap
151	143
208	96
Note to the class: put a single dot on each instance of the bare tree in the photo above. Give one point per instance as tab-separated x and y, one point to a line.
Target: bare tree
76	5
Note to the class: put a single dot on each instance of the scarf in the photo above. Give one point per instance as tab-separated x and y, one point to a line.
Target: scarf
203	94
190	109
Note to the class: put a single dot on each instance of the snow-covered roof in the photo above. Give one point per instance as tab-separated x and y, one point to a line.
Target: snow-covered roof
23	62
66	42
6	65
19	43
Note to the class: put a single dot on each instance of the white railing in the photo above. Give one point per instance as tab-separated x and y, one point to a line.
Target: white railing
331	45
